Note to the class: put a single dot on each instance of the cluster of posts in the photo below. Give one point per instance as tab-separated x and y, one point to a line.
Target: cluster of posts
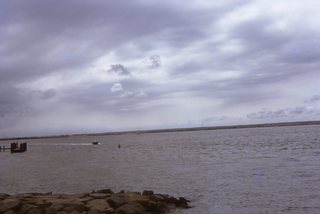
15	148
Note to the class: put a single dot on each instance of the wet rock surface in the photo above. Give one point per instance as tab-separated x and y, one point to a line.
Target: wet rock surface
96	202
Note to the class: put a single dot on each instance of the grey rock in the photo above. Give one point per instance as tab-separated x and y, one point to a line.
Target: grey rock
35	211
26	207
50	211
75	212
147	192
100	205
56	206
77	207
9	204
153	207
157	197
99	195
3	196
94	211
131	208
116	201
109	191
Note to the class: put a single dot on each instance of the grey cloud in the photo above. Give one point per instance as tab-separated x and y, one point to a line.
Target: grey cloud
119	69
47	94
40	37
14	100
291	114
302	50
138	94
314	99
193	28
11	100
264	60
109	97
155	61
257	37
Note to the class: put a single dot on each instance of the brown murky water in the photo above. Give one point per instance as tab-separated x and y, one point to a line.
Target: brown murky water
258	170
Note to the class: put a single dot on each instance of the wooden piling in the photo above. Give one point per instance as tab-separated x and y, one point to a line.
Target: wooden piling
15	148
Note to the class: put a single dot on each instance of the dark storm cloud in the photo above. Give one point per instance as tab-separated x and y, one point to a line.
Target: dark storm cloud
61	52
119	69
11	100
155	61
15	100
38	37
267	56
264	50
47	94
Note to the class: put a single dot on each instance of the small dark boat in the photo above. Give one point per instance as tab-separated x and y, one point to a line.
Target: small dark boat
95	143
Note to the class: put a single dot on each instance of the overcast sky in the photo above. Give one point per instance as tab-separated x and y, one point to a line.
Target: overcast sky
100	65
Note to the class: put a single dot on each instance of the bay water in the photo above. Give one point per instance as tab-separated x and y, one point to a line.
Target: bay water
253	170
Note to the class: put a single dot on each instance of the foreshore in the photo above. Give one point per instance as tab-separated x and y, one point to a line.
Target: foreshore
95	202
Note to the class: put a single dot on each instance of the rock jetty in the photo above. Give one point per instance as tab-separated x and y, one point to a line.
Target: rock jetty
96	202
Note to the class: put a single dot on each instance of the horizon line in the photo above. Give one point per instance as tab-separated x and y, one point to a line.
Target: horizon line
239	126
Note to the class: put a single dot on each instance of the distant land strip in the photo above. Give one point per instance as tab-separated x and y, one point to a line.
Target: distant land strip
301	123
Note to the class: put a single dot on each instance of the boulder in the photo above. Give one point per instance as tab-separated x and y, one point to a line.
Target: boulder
133	196
131	208
50	210
116	201
76	207
153	207
181	202
26	207
157	197
56	206
100	205
9	204
62	212
75	212
147	192
85	199
80	195
102	201
99	195
3	196
94	211
109	191
35	211
65	201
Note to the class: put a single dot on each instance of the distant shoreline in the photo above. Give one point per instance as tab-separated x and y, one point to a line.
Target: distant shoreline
301	123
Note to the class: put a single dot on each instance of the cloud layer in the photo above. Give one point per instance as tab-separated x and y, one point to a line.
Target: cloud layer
91	66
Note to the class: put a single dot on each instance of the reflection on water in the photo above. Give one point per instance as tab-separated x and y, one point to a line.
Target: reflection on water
259	170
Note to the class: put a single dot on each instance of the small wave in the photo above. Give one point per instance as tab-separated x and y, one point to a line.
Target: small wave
61	144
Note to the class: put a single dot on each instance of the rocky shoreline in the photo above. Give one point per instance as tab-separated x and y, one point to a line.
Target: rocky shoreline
95	202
